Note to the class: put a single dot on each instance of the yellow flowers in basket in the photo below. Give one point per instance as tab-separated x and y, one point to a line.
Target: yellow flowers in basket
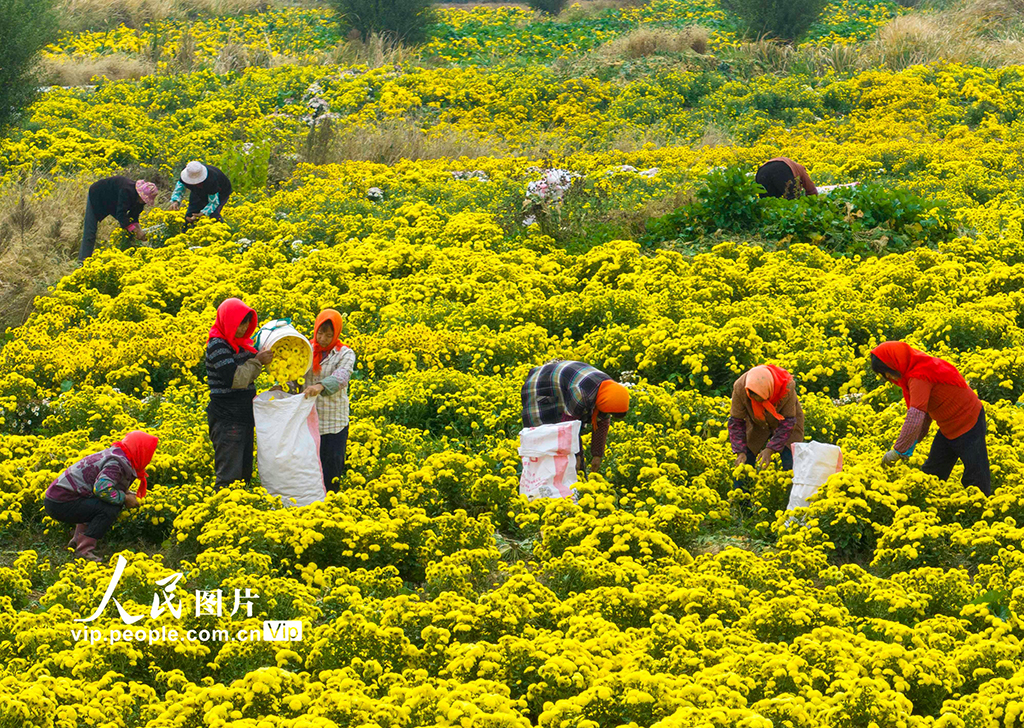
291	359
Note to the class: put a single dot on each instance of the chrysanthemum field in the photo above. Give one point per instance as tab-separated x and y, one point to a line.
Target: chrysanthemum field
429	592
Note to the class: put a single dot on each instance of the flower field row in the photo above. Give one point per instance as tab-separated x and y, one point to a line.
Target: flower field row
429	592
483	35
610	619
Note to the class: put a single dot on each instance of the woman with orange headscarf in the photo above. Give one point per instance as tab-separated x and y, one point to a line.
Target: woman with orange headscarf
933	389
327	379
561	391
765	416
92	493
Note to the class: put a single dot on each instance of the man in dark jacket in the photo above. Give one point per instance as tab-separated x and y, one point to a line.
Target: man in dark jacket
118	196
209	190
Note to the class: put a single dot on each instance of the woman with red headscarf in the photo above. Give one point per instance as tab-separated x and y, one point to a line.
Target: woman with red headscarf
333	363
92	493
765	417
232	366
933	389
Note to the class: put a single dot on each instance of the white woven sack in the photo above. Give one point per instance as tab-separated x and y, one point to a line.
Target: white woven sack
813	463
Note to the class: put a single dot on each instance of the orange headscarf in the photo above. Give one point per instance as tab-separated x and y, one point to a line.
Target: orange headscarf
770	383
913	364
612	398
319	352
229	317
139	447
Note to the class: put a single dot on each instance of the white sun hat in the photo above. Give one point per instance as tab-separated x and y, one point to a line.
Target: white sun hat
194	173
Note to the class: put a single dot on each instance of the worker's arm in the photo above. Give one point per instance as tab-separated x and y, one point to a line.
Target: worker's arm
123	213
211	204
600	437
339	377
246	373
105	488
179	192
738	435
780	436
910	434
805	180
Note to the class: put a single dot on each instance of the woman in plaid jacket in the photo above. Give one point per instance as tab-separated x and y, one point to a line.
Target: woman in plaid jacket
333	363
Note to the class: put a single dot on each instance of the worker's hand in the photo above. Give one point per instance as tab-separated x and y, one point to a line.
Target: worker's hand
595	463
314	390
741	459
192	218
276	388
140	234
131	500
764	458
174	206
579	462
890	458
265	357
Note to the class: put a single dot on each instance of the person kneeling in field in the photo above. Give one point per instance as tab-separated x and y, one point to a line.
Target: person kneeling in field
934	389
562	391
765	417
118	196
333	363
782	177
92	492
232	365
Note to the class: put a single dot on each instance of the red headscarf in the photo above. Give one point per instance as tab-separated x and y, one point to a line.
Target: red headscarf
770	383
229	318
319	352
910	363
139	447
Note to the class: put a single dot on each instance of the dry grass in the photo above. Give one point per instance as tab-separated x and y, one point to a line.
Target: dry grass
39	241
80	71
395	140
644	42
376	51
714	136
79	15
978	32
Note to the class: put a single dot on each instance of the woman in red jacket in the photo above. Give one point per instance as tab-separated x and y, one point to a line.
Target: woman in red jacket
934	390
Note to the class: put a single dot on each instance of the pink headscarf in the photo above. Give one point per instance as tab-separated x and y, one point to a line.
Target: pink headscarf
146	190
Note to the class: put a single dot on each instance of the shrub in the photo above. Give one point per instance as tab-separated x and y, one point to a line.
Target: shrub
549	7
783	19
404	20
25	27
868	219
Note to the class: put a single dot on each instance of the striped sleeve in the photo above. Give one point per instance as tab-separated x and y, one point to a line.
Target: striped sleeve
340	372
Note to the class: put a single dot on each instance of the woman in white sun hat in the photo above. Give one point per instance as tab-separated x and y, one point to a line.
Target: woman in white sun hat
209	190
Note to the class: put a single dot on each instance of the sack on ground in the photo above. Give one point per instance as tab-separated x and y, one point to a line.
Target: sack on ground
549	460
288	447
813	463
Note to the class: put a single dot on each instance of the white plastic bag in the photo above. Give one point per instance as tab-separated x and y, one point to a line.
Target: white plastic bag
813	463
288	447
549	460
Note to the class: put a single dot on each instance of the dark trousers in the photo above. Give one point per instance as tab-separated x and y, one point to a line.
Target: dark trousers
787	464
196	203
88	232
970	447
332	457
232	451
99	514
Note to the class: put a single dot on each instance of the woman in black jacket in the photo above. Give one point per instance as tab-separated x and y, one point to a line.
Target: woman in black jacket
209	190
118	196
